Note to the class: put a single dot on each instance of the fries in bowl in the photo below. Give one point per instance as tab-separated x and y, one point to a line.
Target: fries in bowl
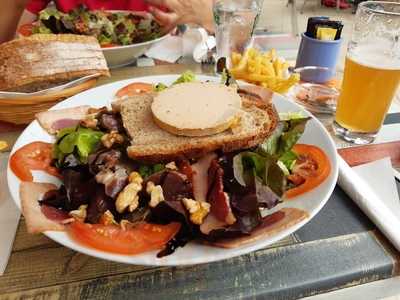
265	69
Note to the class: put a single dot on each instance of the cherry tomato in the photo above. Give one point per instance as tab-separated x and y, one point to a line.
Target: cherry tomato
25	30
34	156
112	238
135	88
311	169
109	45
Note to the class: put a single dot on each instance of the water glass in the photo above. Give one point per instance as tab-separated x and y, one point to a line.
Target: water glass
235	21
372	72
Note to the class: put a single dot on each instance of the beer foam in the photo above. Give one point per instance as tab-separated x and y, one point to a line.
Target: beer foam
376	56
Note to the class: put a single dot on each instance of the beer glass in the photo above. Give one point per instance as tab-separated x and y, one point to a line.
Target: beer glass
372	72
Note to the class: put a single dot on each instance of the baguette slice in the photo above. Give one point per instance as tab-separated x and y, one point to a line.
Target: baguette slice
45	60
152	144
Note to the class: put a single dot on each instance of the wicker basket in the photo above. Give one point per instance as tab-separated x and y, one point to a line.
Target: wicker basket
22	111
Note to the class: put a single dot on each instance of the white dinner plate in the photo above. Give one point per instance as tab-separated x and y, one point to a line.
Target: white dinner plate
192	253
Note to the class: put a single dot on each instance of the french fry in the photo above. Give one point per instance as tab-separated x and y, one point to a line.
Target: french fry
238	74
268	56
251	62
253	53
278	67
285	65
243	61
251	69
257	67
236	57
273	54
270	69
258	77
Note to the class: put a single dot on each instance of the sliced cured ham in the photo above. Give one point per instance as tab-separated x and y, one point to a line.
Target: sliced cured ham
38	219
256	93
54	120
114	181
219	200
211	223
200	176
271	225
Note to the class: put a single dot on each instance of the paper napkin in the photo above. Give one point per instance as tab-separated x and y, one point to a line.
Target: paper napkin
194	43
9	216
372	187
168	49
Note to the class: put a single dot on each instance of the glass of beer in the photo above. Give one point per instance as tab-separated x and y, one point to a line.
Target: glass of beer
372	72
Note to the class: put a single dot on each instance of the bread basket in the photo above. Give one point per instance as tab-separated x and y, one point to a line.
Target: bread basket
23	110
39	71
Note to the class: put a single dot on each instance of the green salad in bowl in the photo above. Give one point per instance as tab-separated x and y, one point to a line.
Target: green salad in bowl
111	28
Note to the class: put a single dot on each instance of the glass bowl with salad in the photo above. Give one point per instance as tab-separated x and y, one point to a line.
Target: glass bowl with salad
123	35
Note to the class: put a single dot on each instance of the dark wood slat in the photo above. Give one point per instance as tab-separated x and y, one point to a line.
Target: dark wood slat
286	273
25	241
36	268
339	216
9	138
42	262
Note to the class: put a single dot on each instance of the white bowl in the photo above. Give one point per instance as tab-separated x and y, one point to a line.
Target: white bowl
119	56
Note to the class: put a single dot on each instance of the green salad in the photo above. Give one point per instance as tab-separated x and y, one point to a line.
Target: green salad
110	28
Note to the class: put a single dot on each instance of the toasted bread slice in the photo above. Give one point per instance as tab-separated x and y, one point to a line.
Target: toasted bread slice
152	144
45	60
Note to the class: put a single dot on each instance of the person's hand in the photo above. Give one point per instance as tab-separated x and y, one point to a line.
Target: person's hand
183	12
10	13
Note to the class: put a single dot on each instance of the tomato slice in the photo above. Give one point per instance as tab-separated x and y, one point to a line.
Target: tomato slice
112	238
311	169
135	88
34	156
25	30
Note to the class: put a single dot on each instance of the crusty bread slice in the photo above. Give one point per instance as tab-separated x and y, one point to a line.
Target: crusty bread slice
152	144
45	60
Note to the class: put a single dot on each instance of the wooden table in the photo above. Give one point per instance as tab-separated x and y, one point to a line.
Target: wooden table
339	248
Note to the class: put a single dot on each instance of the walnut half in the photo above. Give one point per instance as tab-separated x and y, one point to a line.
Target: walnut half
156	194
198	210
129	197
109	139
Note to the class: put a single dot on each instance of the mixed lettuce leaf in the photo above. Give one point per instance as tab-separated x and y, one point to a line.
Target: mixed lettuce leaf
147	170
78	141
187	76
271	161
160	87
